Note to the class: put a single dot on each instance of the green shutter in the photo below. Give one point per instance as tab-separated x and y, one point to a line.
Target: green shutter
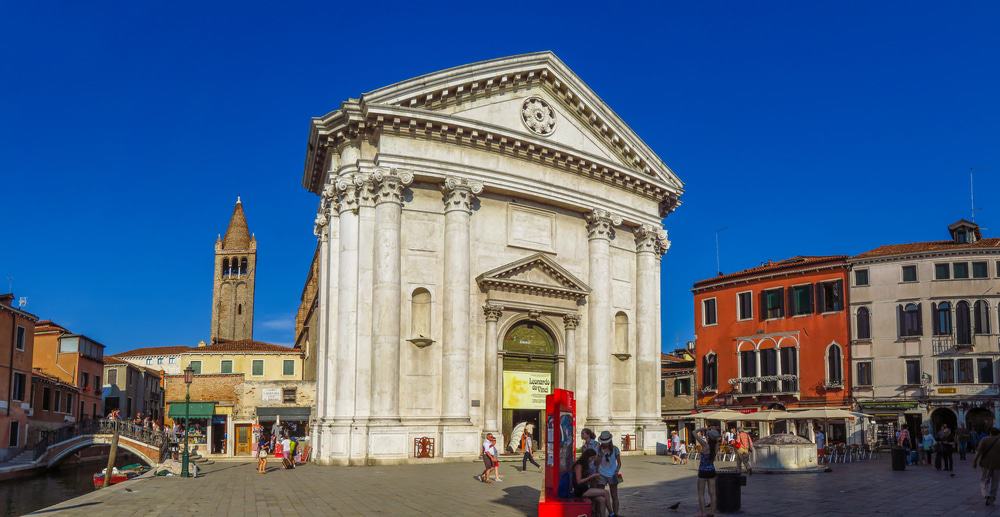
288	368
258	367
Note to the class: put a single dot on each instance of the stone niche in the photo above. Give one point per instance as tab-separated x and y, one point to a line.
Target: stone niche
780	453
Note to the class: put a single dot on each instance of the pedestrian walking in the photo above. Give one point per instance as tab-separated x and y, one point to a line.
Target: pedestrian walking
744	446
488	459
680	455
708	439
496	458
903	440
988	459
927	445
610	466
962	437
262	457
583	474
675	442
946	447
527	447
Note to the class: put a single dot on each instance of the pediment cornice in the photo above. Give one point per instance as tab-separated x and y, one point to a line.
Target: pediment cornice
509	277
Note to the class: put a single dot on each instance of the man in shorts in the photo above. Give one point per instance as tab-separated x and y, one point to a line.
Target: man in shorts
489	460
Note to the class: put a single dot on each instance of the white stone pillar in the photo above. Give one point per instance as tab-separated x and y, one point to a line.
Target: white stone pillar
491	405
319	345
366	282
570	322
347	301
600	227
647	348
327	361
459	195
386	304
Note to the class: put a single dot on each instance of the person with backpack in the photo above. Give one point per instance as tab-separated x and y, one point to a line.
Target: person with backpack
609	466
744	446
988	458
583	473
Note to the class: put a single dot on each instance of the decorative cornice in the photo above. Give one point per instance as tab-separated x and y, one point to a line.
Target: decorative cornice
460	193
500	278
571	321
492	311
601	223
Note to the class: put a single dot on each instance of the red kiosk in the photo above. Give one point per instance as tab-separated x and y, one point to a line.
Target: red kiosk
560	454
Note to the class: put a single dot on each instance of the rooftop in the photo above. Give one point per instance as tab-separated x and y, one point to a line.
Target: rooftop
924	247
242	345
156	350
770	267
238	233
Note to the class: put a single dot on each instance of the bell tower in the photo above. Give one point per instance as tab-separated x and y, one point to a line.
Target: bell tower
234	276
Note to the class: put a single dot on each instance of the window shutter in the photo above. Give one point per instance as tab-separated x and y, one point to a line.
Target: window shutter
920	320
899	321
791	303
935	327
818	296
839	286
812	296
781	296
763	305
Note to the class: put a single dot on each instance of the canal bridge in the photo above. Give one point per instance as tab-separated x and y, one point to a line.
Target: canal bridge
54	446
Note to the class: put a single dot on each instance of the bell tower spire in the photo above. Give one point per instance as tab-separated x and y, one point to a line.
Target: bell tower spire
234	278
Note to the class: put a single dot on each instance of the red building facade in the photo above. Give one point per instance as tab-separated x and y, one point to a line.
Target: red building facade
774	336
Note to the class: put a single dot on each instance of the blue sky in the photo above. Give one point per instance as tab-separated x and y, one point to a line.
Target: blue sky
128	129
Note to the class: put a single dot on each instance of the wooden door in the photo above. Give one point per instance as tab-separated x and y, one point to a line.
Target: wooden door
243	438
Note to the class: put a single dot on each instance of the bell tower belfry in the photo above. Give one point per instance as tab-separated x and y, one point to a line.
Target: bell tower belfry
234	276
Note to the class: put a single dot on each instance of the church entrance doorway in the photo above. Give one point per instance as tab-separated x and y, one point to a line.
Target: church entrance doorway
530	368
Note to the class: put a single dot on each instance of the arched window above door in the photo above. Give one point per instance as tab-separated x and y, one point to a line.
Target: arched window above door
530	338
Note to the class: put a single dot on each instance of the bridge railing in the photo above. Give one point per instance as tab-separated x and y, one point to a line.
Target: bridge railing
147	435
158	439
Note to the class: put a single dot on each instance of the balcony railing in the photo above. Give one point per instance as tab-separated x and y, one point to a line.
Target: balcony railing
947	345
787	384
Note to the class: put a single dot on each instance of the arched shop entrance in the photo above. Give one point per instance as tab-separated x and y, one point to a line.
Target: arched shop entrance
530	368
979	420
941	416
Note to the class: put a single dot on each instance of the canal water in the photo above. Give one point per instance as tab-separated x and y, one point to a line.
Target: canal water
65	481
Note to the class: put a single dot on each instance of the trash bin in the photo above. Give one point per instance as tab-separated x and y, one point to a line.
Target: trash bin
727	491
898	458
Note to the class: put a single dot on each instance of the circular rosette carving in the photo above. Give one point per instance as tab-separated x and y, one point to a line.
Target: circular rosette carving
538	116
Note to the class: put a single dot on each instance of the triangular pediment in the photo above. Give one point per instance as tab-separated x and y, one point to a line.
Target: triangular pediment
511	92
536	274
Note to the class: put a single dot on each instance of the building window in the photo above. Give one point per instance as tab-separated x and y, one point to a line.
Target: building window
19	381
69	403
84	380
682	387
985	367
288	395
288	367
913	372
14	439
834	365
981	323
980	270
97	382
172	360
800	300
961	270
769	366
831	296
420	313
57	401
773	303
946	371
196	366
708	315
149	360
864	323
744	304
966	373
621	334
909	273
710	372
227	366
963	322
159	360
258	367
46	399
790	366
942	318
19	339
909	320
864	373
663	388
748	368
860	277
942	271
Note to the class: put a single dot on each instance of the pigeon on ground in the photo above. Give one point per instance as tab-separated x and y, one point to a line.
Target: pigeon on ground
675	506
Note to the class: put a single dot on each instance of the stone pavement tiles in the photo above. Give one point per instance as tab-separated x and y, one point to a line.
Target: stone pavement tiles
651	485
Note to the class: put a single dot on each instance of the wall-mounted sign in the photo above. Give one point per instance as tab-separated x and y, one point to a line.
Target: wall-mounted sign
889	405
525	390
947	391
270	395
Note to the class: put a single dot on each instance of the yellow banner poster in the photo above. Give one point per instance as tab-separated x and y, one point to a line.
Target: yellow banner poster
526	390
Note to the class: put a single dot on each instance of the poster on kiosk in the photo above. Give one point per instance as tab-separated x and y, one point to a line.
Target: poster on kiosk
560	455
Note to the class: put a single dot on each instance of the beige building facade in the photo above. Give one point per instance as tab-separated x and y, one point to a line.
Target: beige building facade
924	344
484	230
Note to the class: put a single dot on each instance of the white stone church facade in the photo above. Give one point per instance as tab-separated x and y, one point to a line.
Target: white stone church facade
480	228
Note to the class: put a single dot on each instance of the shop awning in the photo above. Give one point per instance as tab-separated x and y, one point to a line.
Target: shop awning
295	414
198	409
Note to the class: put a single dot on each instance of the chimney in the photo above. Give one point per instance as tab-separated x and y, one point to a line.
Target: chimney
201	344
6	299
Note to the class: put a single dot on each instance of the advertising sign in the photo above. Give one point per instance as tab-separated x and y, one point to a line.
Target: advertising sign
525	390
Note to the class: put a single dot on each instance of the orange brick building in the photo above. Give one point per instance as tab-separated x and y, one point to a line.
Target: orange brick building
74	359
774	336
17	329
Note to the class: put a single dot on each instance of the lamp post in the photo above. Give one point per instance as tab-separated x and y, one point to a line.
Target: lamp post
188	377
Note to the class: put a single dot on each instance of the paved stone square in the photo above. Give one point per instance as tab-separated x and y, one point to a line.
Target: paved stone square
651	485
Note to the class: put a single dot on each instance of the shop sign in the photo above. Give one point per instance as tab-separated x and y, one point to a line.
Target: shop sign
947	391
525	390
889	405
270	395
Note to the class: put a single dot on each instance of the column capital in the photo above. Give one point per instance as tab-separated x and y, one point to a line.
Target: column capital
492	311
459	193
390	185
651	239
367	189
347	195
601	223
571	321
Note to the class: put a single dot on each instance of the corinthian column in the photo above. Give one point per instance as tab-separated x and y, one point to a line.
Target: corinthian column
327	359
347	300
386	296
570	322
600	227
647	247
458	197
491	408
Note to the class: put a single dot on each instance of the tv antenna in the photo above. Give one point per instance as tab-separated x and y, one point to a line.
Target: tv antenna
972	195
718	264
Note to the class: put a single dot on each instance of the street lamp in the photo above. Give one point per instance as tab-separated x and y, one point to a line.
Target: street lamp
188	377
